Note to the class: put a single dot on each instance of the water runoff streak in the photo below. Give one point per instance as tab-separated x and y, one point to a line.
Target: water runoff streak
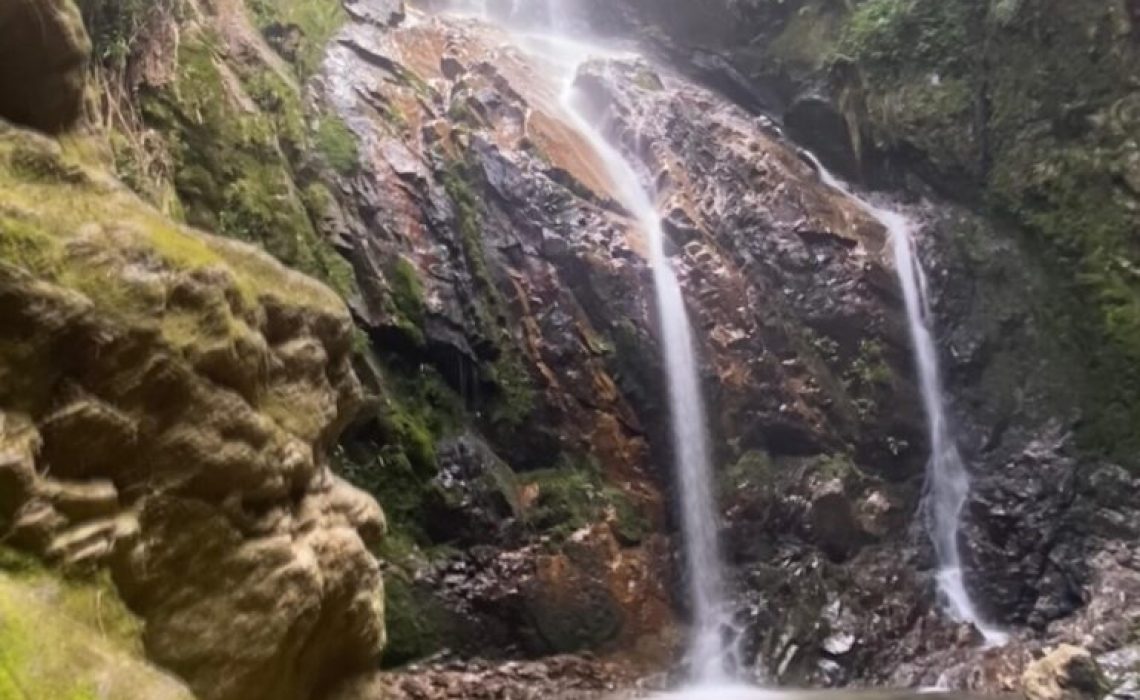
556	41
686	410
948	482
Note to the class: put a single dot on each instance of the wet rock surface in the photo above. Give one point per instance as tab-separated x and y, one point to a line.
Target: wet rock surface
805	357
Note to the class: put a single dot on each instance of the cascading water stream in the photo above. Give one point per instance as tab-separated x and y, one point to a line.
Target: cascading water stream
686	408
707	651
948	482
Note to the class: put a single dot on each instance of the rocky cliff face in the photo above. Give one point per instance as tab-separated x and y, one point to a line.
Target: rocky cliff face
980	101
472	180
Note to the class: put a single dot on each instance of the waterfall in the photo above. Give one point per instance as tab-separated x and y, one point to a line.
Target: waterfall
707	651
948	482
686	410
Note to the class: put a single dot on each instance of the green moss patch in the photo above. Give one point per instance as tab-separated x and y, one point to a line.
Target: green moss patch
71	640
1033	105
298	29
80	232
393	455
417	626
338	144
516	398
573	494
232	172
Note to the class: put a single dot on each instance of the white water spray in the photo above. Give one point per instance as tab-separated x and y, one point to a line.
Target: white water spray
948	482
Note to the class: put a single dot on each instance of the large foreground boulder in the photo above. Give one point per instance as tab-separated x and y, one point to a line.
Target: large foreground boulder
170	400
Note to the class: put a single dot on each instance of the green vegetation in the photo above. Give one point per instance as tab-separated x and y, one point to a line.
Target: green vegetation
197	148
70	639
869	370
573	494
1074	208
894	35
314	21
515	401
115	26
398	461
516	397
89	600
407	290
338	144
417	626
49	206
753	470
84	233
1030	107
807	40
835	466
231	172
467	220
406	299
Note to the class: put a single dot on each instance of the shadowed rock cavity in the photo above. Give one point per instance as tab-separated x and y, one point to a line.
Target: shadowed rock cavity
43	57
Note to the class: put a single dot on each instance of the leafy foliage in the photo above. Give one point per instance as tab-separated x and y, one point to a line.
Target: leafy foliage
115	26
896	33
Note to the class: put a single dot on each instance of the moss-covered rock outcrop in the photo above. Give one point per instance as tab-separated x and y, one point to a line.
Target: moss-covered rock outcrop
1036	104
209	122
172	400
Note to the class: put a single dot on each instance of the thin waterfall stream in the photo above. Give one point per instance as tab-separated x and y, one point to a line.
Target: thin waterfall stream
687	413
948	482
708	652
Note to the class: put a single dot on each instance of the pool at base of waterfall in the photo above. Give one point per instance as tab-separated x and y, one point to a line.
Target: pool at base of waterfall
724	692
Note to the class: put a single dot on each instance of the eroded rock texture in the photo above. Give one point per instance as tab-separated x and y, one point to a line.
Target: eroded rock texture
170	402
